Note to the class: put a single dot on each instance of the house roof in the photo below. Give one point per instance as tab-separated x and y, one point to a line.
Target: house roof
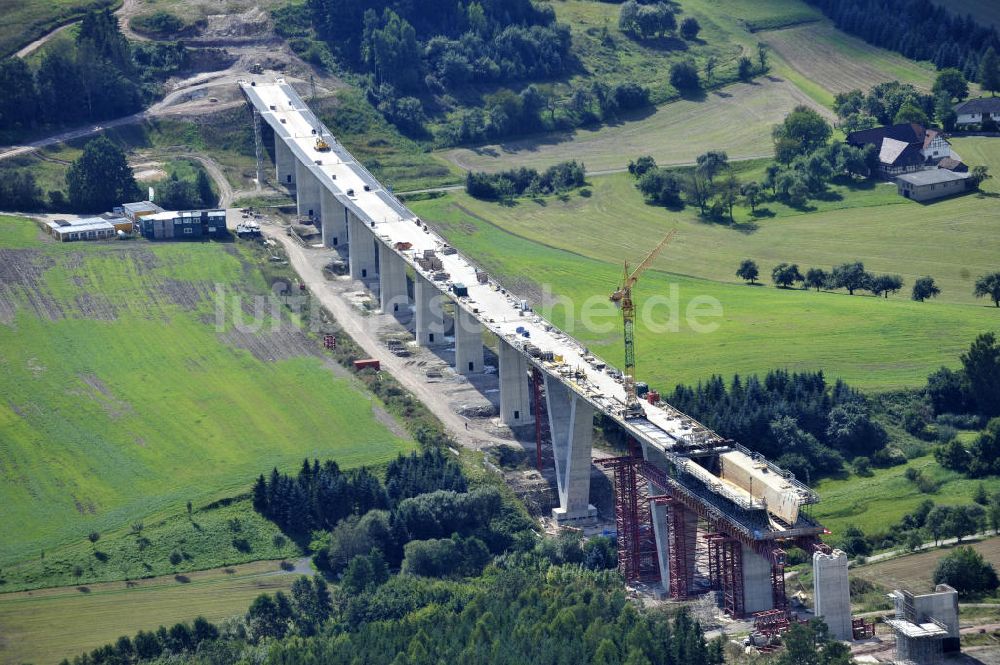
141	206
897	144
981	105
931	177
84	225
952	164
891	150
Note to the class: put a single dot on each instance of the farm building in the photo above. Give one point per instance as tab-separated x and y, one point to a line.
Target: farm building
90	228
135	211
931	184
184	225
903	148
976	111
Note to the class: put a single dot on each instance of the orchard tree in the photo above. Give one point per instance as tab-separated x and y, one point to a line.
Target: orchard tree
883	285
684	76
850	276
752	195
951	82
816	278
802	131
989	285
748	271
785	275
924	288
711	163
690	28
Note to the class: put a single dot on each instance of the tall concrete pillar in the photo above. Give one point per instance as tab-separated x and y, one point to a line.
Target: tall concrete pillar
284	162
334	216
515	397
571	423
757	592
307	196
362	255
660	514
468	343
429	314
391	281
832	593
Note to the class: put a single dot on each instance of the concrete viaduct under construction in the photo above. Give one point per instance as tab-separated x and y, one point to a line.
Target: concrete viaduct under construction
695	512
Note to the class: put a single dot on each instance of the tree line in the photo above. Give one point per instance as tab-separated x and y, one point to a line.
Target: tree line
850	276
508	185
408	51
797	419
571	615
918	29
104	75
320	496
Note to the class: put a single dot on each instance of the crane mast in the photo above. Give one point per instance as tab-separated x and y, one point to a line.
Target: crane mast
623	298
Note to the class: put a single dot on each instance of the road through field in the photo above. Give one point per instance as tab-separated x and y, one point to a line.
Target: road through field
469	433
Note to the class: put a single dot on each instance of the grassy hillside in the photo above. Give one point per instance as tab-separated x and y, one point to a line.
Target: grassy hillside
123	401
952	240
875	502
91	616
871	342
27	20
823	60
737	119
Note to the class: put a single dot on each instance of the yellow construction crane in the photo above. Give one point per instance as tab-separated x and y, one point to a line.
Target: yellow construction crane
623	298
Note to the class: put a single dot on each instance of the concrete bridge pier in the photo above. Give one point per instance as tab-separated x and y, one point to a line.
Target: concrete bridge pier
362	257
757	591
832	593
429	312
571	422
284	162
392	281
333	214
307	191
468	343
515	396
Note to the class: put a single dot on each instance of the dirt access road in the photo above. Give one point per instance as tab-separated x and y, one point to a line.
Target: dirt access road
472	433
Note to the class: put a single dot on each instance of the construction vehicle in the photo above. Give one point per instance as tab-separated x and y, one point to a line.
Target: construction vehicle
623	298
321	144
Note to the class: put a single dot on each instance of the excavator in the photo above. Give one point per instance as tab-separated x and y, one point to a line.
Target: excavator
623	298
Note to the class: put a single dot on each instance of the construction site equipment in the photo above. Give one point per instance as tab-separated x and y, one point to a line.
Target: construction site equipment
321	144
623	298
367	363
329	341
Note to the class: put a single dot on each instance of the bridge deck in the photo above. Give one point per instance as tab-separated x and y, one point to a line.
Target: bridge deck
665	428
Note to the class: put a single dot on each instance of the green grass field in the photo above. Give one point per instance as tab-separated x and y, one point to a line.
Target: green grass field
822	56
876	502
873	343
46	626
951	240
122	401
27	20
737	119
915	571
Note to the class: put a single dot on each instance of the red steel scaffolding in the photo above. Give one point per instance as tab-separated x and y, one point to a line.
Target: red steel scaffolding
637	557
721	551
